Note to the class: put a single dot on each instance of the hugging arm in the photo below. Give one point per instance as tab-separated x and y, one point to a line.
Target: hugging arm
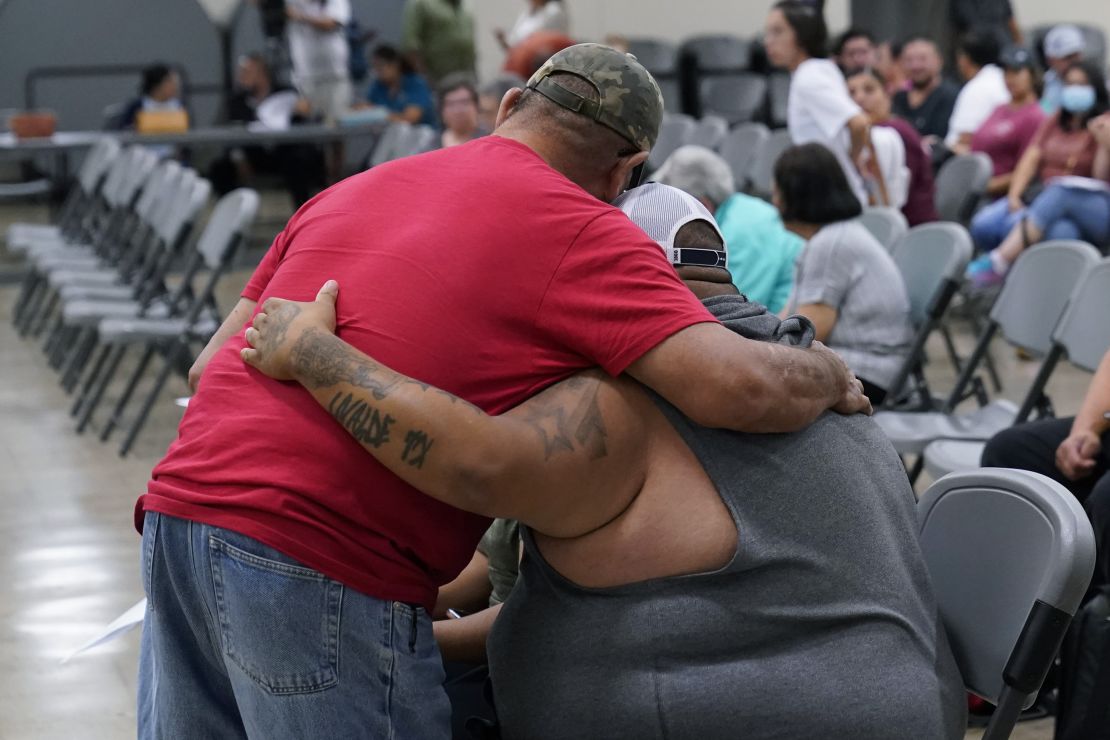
561	462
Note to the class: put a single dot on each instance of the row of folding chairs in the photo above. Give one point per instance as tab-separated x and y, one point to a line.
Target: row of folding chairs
124	269
1049	307
398	140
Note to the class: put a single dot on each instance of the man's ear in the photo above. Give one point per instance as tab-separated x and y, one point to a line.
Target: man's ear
508	103
621	174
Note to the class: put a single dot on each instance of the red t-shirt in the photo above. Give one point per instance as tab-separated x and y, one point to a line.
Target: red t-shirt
1064	152
478	269
1007	134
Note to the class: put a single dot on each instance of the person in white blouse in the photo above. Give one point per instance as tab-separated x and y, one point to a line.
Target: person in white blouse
819	108
985	90
540	15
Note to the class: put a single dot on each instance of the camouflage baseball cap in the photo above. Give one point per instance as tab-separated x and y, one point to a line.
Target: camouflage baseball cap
631	103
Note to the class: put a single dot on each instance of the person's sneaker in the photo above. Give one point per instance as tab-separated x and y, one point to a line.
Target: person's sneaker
982	274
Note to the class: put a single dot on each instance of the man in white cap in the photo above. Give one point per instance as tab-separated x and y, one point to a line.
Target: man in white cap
1063	46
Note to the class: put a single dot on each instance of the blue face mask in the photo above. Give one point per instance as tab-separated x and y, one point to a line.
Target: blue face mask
1077	98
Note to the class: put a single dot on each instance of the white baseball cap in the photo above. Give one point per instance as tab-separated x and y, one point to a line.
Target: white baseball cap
661	211
1063	41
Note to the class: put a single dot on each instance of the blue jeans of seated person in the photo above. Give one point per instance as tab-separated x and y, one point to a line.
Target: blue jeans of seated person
240	641
991	224
1072	213
1061	213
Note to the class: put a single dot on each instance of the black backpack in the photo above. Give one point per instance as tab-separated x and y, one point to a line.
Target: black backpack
1084	708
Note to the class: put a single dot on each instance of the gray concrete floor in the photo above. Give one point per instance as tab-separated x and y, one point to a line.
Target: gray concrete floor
69	553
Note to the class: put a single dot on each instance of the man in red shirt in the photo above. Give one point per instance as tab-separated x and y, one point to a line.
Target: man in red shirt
288	573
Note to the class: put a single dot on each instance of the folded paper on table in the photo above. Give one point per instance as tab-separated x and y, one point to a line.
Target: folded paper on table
123	624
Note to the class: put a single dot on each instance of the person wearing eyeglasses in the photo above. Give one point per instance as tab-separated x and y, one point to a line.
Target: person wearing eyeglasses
845	281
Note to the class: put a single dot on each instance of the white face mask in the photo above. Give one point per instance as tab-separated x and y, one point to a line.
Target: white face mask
1078	98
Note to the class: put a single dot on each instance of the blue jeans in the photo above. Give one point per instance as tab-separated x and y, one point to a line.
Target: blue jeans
991	224
1072	213
241	641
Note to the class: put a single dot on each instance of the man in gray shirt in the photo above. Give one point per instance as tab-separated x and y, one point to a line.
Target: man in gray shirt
678	581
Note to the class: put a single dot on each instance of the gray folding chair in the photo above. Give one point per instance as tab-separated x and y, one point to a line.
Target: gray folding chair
1082	336
762	173
886	224
674	132
740	147
1031	303
1010	555
709	132
719	53
80	317
196	321
390	143
90	176
111	229
931	259
961	183
737	98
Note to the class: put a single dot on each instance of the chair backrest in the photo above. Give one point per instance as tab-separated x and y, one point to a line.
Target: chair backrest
709	132
740	147
886	224
1084	332
997	542
737	98
419	139
719	53
675	130
183	208
1037	290
960	184
143	162
763	166
393	137
928	256
658	56
778	93
99	158
116	178
156	189
231	219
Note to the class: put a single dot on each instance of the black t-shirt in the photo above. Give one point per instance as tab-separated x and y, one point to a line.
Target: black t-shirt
932	116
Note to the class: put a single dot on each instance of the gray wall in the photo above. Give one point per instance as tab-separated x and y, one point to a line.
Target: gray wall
63	33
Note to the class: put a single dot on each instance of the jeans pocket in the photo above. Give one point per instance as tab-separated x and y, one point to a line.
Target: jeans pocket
279	622
150	542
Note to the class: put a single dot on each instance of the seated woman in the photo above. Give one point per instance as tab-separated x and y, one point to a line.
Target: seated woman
845	282
160	90
761	252
398	88
1071	157
869	90
677	581
458	107
1011	127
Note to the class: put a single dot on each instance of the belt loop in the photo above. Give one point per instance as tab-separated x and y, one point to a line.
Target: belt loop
412	632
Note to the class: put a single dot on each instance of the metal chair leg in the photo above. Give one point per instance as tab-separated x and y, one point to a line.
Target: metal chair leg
102	383
148	404
125	397
90	381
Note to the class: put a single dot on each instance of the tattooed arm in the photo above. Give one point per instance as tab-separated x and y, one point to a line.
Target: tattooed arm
565	462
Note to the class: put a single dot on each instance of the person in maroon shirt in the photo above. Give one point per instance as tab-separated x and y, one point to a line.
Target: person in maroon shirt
289	574
868	89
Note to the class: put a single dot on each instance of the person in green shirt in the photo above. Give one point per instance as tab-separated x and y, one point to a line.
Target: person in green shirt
761	252
438	36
